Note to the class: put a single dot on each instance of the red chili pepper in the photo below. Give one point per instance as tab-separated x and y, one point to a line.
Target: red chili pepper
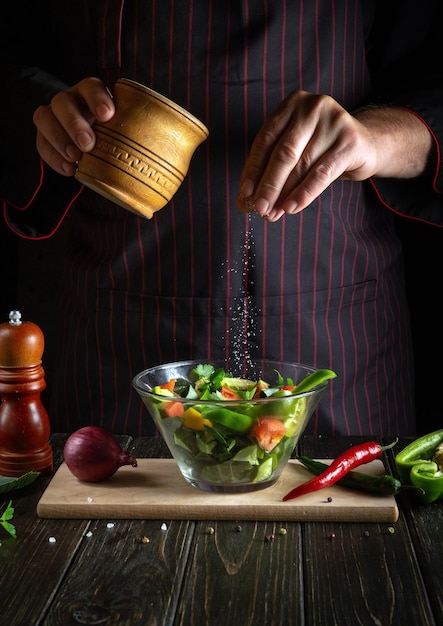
355	456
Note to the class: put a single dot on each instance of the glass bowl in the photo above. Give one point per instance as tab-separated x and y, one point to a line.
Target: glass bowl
240	437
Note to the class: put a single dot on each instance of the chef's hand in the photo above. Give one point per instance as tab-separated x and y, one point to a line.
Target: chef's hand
311	141
64	126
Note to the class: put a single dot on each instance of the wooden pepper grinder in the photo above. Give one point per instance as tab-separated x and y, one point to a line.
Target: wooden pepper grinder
24	422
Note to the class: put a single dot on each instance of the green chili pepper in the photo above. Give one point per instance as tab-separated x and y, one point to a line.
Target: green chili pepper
314	380
420	464
384	485
342	465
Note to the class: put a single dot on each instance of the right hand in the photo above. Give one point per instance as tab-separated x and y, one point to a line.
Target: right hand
310	141
64	127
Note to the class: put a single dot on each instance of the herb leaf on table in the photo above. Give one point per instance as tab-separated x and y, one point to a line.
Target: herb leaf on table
9	483
8	514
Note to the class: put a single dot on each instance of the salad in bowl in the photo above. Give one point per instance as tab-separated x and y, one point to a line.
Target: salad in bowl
231	429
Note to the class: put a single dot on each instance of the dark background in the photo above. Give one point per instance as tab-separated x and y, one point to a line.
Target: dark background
423	245
30	274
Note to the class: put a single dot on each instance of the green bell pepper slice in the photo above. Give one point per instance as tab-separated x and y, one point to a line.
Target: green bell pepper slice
428	476
417	465
238	422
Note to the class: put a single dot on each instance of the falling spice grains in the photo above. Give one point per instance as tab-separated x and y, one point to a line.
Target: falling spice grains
243	330
145	539
282	531
391	530
331	536
210	530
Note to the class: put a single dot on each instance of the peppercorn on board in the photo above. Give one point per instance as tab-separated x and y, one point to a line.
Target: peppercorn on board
157	490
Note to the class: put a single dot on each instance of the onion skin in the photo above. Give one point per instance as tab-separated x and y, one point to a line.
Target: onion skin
93	454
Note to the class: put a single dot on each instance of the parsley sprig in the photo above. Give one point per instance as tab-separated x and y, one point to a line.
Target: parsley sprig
209	378
8	514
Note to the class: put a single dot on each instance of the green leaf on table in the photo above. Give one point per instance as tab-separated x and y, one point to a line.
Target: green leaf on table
8	514
9	483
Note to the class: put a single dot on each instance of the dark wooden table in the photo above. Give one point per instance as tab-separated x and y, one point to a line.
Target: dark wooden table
316	574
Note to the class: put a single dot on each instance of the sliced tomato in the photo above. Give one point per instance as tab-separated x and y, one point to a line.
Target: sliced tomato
228	394
174	408
268	432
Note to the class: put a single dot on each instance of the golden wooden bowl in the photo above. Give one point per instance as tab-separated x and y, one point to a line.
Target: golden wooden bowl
143	153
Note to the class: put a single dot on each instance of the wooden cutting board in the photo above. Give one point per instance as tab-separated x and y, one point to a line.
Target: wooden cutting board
157	490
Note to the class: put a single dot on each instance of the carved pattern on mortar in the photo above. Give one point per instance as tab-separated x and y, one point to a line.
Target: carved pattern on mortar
137	164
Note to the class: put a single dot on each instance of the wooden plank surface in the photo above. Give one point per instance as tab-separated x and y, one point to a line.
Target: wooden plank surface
143	571
156	490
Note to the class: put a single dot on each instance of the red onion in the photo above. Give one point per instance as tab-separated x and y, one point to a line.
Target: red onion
93	454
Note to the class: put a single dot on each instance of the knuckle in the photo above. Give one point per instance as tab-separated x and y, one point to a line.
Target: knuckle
38	115
325	172
58	99
269	189
266	138
287	153
325	102
305	195
86	82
